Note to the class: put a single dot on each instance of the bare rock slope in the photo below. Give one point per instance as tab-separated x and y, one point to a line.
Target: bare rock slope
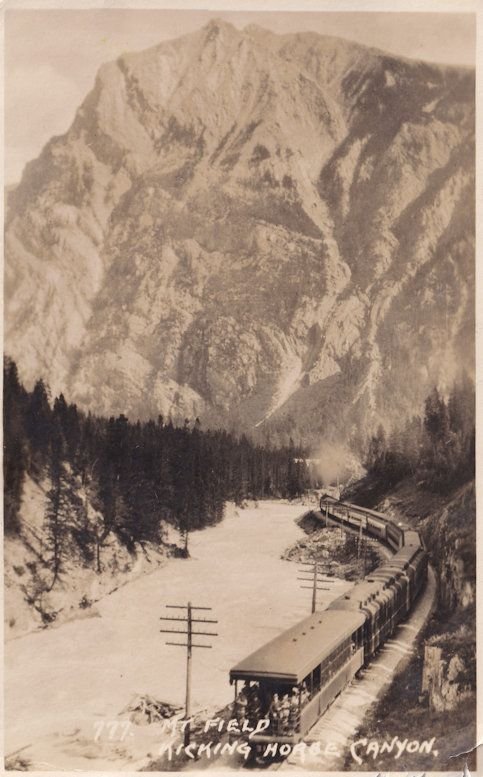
252	228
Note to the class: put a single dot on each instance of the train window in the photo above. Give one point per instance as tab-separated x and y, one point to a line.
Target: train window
316	679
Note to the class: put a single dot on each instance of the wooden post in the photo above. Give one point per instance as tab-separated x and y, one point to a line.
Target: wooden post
365	548
314	583
314	591
187	731
188	621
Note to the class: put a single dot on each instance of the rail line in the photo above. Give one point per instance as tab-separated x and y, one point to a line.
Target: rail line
293	679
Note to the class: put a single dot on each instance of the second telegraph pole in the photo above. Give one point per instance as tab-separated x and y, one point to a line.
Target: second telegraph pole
314	580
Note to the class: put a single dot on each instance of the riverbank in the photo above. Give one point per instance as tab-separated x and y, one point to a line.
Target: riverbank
339	553
31	604
65	688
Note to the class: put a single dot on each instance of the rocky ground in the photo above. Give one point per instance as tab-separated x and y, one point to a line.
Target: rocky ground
407	711
340	554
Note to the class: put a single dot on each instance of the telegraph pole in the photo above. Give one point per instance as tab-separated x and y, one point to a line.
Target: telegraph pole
188	621
359	543
362	545
365	550
189	650
314	580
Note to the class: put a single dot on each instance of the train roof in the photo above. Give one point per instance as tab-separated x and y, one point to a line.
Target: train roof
360	593
373	584
412	537
292	655
355	508
402	525
407	552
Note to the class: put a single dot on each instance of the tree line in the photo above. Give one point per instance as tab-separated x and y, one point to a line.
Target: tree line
438	447
110	476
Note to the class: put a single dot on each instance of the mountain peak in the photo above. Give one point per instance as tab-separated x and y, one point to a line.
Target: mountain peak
242	224
217	26
256	30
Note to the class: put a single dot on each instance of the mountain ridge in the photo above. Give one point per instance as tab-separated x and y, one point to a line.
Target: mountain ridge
238	229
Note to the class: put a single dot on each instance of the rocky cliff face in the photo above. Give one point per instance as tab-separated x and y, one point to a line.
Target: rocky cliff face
449	667
450	535
448	527
270	230
445	679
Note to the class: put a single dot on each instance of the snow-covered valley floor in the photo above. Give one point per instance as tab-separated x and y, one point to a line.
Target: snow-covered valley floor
64	686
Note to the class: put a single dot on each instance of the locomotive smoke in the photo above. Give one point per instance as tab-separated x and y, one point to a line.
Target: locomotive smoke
335	461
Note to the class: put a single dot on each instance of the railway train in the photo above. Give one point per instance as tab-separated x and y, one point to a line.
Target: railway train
291	681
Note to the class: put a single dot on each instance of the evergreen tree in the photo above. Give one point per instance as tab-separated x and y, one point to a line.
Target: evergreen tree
14	446
86	530
57	514
377	451
436	419
68	419
436	459
182	472
112	510
439	448
112	477
38	422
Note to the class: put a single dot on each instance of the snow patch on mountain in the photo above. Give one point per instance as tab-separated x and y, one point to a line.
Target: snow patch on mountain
288	383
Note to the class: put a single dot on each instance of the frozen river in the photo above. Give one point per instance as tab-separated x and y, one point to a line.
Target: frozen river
60	683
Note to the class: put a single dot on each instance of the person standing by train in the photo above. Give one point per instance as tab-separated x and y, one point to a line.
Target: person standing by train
305	695
275	714
285	713
294	715
241	704
254	706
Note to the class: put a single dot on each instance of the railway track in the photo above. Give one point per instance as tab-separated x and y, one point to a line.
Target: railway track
337	729
321	655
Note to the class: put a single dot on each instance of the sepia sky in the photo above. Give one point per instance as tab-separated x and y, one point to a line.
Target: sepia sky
52	56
